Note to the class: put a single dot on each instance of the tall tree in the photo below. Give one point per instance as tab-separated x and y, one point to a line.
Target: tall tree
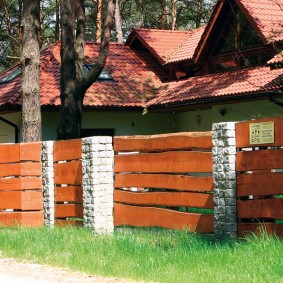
118	22
73	85
30	58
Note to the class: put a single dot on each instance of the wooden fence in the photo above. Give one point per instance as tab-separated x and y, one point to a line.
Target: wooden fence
68	182
159	181
259	178
21	185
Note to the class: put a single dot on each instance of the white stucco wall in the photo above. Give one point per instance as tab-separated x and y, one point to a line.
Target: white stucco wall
7	132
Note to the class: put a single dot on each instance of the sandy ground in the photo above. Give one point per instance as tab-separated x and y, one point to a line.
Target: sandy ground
12	271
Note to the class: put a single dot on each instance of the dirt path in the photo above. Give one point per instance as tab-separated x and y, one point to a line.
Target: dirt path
12	271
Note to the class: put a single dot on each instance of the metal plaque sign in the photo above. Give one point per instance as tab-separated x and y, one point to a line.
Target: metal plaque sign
261	133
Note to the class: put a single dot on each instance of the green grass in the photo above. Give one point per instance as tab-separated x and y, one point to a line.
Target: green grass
149	255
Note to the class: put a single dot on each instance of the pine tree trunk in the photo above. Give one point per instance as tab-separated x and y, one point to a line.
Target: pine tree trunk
118	21
57	23
99	20
31	114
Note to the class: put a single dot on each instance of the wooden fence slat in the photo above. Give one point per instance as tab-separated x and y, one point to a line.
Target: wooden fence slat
67	150
68	210
259	184
24	200
30	151
19	184
260	208
157	217
164	181
9	153
258	228
259	159
27	218
20	169
69	173
180	141
242	132
70	193
164	199
166	162
64	223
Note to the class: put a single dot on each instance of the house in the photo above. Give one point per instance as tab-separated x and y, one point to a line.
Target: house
168	81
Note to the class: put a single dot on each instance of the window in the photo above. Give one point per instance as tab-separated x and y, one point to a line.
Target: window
104	75
11	76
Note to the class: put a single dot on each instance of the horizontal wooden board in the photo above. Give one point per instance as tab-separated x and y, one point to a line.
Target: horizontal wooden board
23	200
175	141
21	183
164	198
67	150
164	181
260	208
69	173
30	151
259	184
70	193
245	229
27	219
157	217
166	162
9	153
64	223
242	132
68	210
259	159
20	169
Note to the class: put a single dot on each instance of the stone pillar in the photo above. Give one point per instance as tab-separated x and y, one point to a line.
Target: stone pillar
98	175
224	178
48	183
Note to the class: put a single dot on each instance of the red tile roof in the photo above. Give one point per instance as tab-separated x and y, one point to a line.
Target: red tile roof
163	43
267	15
133	84
228	84
278	58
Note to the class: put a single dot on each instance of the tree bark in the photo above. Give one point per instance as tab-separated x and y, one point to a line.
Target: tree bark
31	114
57	22
73	86
99	20
118	22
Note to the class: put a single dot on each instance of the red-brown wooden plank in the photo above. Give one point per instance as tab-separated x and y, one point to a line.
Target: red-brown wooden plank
158	217
9	153
27	218
70	193
259	159
67	150
21	183
259	184
68	173
260	208
30	151
180	141
64	223
68	210
20	169
242	132
164	181
24	200
166	162
258	228
164	199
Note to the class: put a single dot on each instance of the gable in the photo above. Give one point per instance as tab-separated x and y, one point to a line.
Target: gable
241	24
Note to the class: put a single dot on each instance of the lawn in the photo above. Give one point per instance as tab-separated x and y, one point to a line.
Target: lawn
149	255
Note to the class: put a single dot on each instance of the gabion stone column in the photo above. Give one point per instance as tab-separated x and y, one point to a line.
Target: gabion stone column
48	183
224	178
97	163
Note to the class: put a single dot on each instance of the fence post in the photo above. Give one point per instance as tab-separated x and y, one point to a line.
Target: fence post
48	183
224	178
97	163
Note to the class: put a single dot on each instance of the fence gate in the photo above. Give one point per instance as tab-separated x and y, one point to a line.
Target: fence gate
259	166
164	181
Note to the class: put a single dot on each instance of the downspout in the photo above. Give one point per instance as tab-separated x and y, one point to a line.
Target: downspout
12	125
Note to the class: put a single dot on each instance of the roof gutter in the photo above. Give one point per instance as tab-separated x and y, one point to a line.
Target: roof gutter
16	128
